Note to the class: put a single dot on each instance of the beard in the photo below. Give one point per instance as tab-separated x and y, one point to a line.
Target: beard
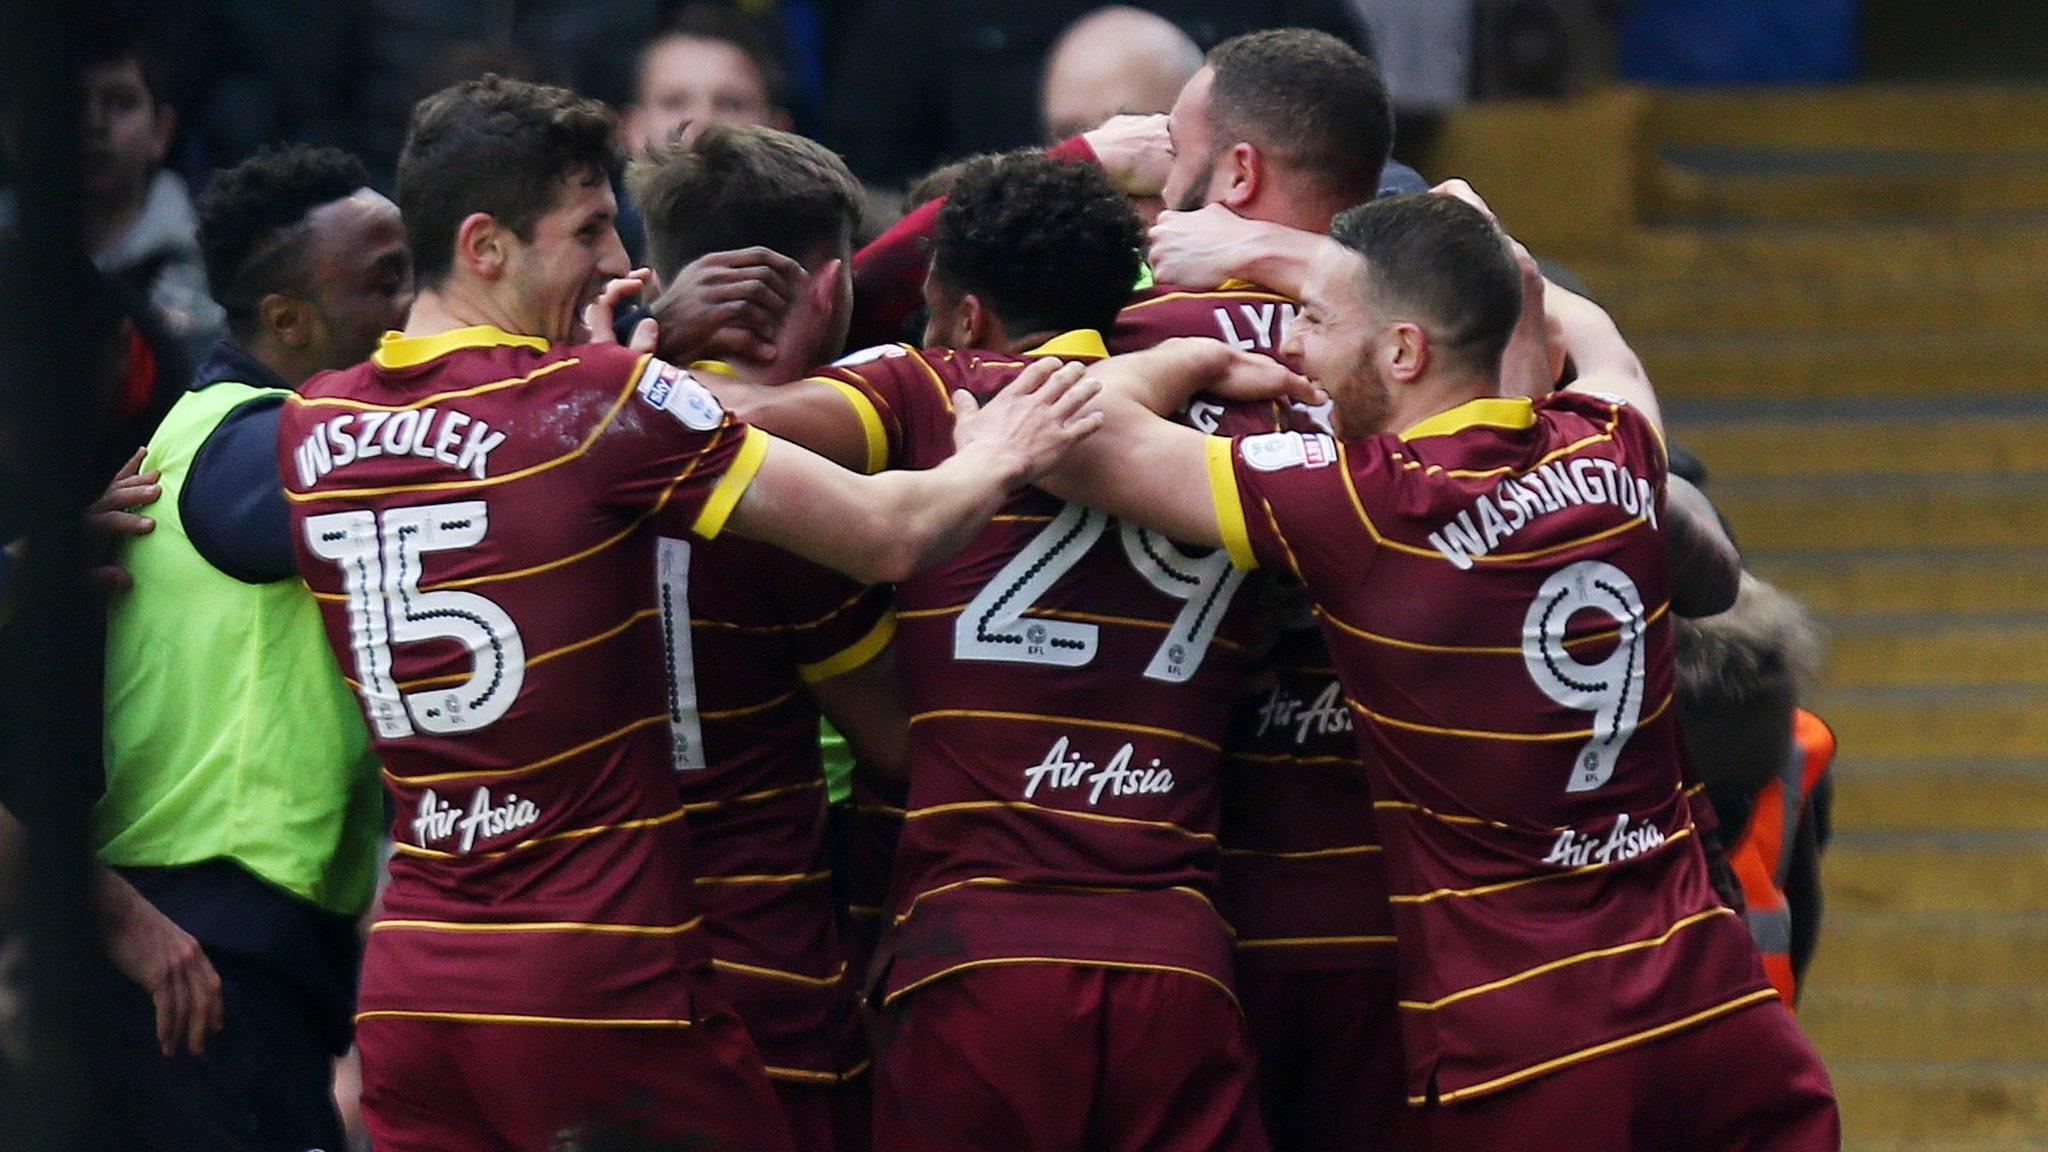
1362	402
1196	196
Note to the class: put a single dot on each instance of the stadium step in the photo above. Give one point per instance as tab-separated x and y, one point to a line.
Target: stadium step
1866	512
1907	1022
1989	724
1930	950
2005	439
1778	373
1846	586
1979	1106
1924	306
1984	875
1933	650
1959	118
1708	185
1979	797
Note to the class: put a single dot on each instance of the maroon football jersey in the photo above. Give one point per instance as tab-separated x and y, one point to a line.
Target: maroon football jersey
1493	585
1242	315
1303	883
1068	680
479	515
763	624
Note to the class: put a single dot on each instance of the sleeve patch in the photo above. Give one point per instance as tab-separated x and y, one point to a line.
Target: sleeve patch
673	390
1275	451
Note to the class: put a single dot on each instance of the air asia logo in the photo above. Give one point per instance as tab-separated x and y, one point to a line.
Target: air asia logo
1063	769
438	819
677	393
1276	450
1323	716
1576	850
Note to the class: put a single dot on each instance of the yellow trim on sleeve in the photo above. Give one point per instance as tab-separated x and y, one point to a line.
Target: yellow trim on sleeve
511	1018
855	655
870	423
1230	523
733	485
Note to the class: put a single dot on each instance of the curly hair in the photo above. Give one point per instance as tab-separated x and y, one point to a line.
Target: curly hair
738	185
1047	244
497	146
252	219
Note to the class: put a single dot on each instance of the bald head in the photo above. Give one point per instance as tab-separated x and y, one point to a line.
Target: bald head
1111	61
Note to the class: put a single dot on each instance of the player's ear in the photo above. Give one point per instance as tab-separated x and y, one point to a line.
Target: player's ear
821	286
1408	352
480	245
286	319
1244	169
974	325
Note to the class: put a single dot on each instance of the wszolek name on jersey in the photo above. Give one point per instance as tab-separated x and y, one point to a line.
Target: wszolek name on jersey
1062	769
437	819
449	435
1522	500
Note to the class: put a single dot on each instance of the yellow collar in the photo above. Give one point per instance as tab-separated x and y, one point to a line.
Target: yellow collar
1487	411
1079	342
397	350
714	367
1235	285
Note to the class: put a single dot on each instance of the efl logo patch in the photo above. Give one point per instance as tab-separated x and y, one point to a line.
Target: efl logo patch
1277	450
676	392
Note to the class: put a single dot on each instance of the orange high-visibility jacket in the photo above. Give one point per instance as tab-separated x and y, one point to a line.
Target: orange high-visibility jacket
1763	856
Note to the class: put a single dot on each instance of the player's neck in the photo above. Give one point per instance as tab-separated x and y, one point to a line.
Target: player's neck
1301	213
1412	404
451	306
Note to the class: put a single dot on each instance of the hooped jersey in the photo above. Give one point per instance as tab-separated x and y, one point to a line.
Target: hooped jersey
1303	883
478	514
1493	585
1068	680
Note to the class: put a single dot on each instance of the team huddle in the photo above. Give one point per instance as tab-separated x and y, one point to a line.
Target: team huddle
1260	687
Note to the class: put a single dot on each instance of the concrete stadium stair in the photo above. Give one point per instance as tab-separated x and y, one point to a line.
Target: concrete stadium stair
1843	297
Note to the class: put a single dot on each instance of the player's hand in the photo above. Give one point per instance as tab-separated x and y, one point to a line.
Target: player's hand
168	963
1459	190
1136	152
1203	248
1229	374
727	305
113	516
601	314
1032	422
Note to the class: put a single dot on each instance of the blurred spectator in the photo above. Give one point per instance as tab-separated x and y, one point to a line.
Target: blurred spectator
917	82
1764	761
139	223
241	798
1113	61
705	66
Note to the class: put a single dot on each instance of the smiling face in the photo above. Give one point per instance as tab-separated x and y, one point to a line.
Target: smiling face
573	251
1336	341
362	276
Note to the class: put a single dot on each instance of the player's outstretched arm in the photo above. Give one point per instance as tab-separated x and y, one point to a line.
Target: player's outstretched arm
880	529
1706	569
1149	470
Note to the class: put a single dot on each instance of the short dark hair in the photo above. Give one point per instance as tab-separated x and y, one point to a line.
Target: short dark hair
251	223
1047	244
112	39
1308	98
498	146
738	185
726	26
1444	259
